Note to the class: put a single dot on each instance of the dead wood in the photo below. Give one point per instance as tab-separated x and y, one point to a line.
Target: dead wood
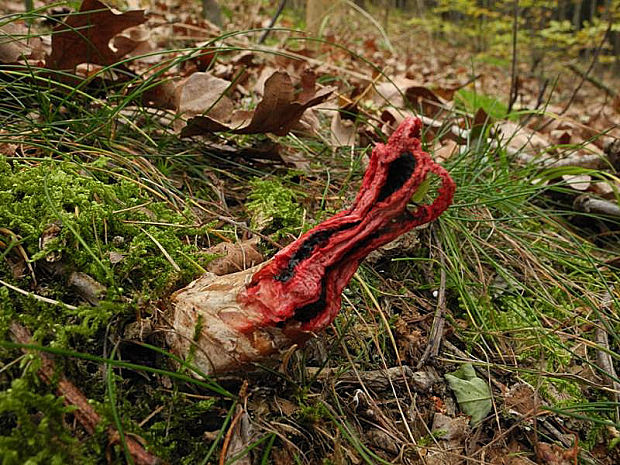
85	414
377	380
588	204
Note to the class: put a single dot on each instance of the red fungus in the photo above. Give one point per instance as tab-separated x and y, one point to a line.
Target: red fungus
246	316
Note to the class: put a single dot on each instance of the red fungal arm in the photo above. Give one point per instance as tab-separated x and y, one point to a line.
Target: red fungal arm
301	287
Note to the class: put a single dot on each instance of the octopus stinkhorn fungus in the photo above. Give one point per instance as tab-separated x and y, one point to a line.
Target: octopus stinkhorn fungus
228	321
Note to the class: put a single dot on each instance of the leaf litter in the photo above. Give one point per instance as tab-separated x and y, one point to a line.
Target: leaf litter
217	92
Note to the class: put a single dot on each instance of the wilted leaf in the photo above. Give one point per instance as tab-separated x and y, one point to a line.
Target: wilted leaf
579	182
447	149
423	97
342	131
450	434
240	439
12	46
392	118
84	37
521	399
203	93
472	393
521	138
560	136
50	234
277	112
234	257
115	257
392	92
87	287
162	95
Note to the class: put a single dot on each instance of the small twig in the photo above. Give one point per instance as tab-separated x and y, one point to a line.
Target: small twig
274	18
588	204
545	161
604	359
85	414
513	71
592	80
40	298
376	380
592	63
439	320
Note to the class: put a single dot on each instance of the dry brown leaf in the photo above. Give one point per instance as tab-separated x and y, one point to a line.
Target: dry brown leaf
552	454
115	257
579	182
202	93
241	436
521	138
392	118
137	42
163	95
84	37
49	234
451	442
605	189
87	287
342	131
424	98
392	93
522	399
446	150
560	136
308	85
481	118
277	112
234	257
446	93
12	46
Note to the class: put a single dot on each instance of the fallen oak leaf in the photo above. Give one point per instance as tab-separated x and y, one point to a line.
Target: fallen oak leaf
84	36
232	258
424	98
203	93
277	112
343	132
12	43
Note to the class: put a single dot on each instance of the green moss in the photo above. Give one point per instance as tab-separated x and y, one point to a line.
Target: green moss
78	218
69	219
32	428
274	207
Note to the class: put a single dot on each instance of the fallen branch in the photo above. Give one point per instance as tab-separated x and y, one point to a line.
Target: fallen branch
439	320
603	357
588	204
592	80
377	380
85	414
546	161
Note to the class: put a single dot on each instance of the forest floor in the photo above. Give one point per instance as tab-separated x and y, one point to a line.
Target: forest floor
490	336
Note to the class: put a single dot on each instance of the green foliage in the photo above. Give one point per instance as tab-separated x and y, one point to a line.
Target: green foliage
92	220
102	225
545	29
274	207
472	101
472	393
33	428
